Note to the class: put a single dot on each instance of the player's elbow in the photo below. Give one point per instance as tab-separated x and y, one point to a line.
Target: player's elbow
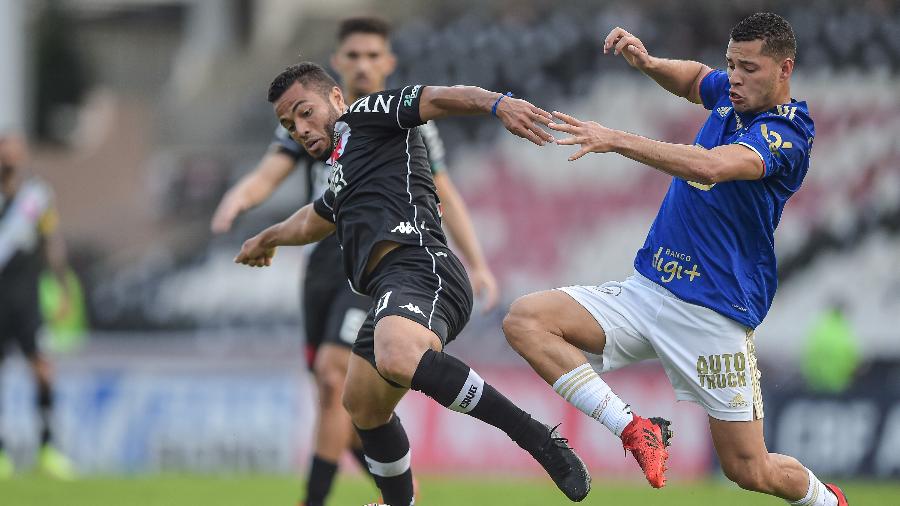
708	173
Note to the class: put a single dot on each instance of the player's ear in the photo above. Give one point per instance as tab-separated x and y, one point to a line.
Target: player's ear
787	68
336	97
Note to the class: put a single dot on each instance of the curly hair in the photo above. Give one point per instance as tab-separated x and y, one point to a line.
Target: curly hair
775	32
306	73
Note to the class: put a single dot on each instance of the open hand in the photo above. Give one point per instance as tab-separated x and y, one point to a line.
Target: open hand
592	136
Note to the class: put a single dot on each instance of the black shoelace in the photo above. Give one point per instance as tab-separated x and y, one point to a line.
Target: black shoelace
558	461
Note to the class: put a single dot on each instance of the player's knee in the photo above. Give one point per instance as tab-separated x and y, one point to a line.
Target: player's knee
747	474
363	413
397	358
523	316
331	387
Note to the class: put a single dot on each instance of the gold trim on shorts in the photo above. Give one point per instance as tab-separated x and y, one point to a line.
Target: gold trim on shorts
755	376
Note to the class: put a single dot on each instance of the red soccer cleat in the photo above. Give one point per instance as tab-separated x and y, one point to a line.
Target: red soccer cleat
647	440
836	490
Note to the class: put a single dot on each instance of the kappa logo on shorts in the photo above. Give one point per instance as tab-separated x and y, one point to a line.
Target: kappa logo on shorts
413	309
383	302
406	227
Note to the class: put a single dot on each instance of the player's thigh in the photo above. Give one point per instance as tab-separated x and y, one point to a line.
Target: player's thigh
558	313
368	397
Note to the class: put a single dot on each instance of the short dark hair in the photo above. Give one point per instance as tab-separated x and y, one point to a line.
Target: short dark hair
306	73
363	24
775	32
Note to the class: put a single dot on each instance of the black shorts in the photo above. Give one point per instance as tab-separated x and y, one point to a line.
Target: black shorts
20	321
426	285
332	312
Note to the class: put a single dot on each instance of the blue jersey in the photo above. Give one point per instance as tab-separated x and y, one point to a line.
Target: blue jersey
714	245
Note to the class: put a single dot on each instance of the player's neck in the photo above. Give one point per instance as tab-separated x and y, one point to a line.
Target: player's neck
782	97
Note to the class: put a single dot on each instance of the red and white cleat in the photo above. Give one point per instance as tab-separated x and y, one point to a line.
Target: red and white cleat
836	490
647	440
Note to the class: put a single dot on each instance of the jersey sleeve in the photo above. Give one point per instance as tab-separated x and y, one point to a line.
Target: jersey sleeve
713	87
284	144
324	206
435	145
387	111
780	143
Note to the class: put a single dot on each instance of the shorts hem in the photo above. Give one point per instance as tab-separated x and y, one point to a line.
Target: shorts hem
718	414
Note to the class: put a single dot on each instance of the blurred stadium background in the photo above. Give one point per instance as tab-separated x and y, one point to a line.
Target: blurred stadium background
142	112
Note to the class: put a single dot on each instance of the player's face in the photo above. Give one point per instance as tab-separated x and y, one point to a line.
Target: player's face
364	61
310	117
755	78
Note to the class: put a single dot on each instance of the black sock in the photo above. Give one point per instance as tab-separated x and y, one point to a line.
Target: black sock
388	457
455	385
45	409
360	457
321	476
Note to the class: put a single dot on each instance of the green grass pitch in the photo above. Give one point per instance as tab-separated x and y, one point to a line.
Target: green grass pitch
435	491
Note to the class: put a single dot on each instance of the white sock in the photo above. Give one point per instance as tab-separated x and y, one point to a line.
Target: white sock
583	388
817	494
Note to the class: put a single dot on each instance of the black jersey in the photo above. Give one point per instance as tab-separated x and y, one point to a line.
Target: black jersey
381	187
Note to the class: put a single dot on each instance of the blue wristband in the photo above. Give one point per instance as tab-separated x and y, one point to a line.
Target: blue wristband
494	109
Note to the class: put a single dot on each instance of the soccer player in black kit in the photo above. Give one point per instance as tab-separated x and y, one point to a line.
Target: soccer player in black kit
332	313
382	205
30	240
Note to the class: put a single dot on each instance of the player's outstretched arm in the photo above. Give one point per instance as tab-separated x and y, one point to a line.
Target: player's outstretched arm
303	227
253	189
679	77
518	116
691	163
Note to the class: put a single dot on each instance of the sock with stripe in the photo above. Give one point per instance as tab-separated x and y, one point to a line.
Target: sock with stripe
816	494
583	388
318	484
388	459
455	385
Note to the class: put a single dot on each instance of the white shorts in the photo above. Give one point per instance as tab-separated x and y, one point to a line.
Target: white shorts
709	359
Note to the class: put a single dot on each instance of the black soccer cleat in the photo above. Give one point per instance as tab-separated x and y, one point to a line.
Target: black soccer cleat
563	465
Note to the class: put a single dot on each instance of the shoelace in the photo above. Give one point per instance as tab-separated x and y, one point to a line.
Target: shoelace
558	461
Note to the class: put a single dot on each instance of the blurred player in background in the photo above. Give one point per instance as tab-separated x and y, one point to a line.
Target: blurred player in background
29	241
333	314
706	275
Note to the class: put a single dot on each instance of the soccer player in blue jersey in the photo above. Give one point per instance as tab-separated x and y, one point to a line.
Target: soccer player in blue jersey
705	276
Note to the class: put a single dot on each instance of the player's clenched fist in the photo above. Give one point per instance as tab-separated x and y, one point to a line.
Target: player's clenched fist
254	253
629	46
